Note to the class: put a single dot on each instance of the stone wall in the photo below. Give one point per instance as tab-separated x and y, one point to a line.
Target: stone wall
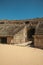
38	41
9	39
20	36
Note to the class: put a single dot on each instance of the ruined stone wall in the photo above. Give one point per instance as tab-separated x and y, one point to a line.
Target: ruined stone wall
9	39
38	41
20	36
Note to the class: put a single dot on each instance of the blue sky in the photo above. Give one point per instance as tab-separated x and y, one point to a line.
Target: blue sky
21	9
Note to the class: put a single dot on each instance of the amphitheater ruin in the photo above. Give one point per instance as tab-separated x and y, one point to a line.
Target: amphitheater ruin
21	31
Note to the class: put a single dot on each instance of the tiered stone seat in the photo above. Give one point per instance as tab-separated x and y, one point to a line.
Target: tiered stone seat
9	29
39	28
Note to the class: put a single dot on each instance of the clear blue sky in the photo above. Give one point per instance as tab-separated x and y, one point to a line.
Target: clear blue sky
21	9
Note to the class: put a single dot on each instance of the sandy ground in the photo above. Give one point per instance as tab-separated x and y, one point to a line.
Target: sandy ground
16	55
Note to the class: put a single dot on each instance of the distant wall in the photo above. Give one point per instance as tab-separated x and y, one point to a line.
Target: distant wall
38	41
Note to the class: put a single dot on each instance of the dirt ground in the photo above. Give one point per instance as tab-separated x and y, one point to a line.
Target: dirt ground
16	55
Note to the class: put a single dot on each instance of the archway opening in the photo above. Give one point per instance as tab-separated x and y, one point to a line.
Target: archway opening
30	34
3	40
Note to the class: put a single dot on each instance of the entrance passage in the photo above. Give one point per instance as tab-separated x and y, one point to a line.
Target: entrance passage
30	33
3	40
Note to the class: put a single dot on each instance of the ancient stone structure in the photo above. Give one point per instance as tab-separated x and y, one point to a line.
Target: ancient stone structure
38	37
20	31
11	33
